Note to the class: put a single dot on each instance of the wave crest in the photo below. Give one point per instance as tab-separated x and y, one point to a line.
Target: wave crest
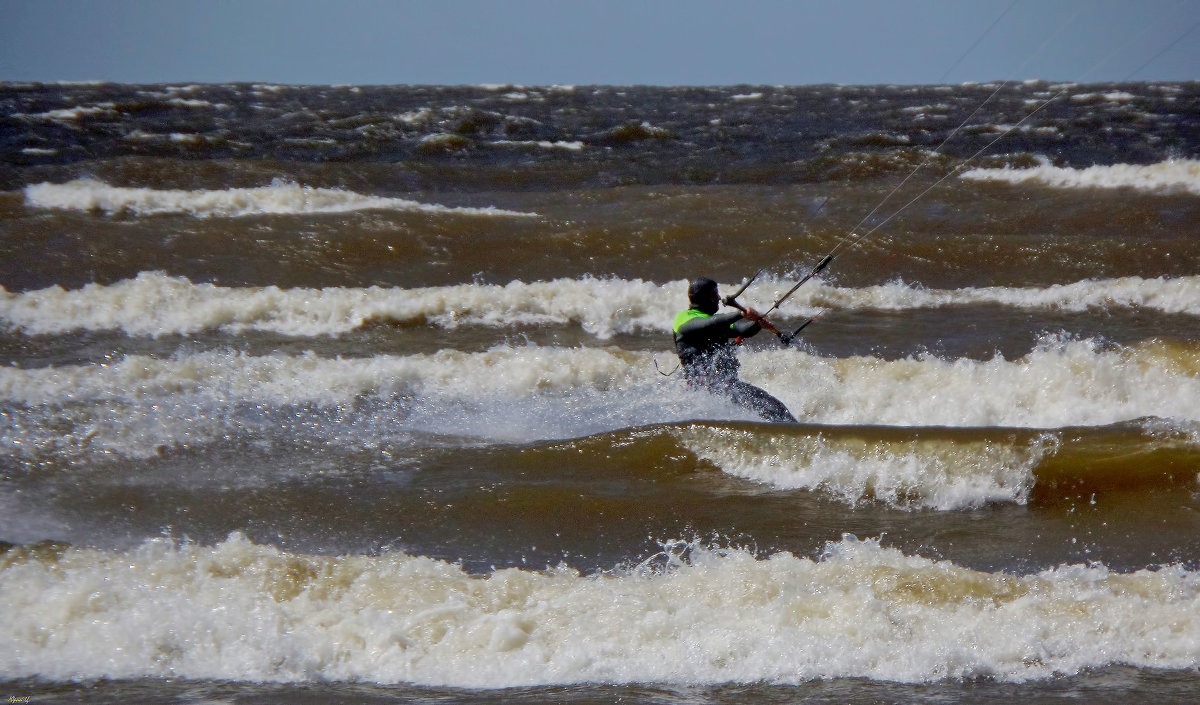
1176	176
241	611
155	304
280	198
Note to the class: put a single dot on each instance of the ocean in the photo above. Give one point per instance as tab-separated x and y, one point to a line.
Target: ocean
365	393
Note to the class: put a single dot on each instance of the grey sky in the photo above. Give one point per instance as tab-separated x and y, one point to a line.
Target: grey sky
532	42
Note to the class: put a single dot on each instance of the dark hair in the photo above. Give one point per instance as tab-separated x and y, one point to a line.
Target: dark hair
700	289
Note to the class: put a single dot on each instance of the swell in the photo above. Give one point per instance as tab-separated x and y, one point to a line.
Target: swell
563	392
556	392
693	613
1019	240
471	136
917	468
898	448
157	304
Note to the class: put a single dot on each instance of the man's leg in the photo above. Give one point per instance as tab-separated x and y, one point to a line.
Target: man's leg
758	401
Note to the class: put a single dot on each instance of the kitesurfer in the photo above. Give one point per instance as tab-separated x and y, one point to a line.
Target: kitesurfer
706	343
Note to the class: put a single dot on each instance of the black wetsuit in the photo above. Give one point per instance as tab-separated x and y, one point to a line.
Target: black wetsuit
708	356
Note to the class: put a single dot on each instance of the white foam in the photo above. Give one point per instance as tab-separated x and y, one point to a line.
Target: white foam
71	114
1059	384
156	304
280	198
906	474
543	144
414	117
139	405
1110	97
143	136
1176	176
505	372
1165	294
244	612
196	103
932	108
654	131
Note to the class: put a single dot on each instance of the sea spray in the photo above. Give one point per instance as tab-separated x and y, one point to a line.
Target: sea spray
241	611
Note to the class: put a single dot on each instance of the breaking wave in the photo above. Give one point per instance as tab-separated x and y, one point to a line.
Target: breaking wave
693	614
154	304
280	198
139	405
1176	176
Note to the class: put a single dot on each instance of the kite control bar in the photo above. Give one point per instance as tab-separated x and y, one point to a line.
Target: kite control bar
785	338
731	300
815	270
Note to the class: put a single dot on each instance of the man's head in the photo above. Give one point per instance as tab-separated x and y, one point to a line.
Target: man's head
703	296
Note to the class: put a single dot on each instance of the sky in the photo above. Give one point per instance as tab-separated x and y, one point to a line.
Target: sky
587	42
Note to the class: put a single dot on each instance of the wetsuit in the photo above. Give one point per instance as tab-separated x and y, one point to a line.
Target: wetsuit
708	355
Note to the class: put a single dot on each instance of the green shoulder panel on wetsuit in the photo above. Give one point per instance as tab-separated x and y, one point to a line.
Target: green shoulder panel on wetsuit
684	316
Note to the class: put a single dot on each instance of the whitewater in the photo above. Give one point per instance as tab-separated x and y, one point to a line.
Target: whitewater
154	304
278	198
249	612
368	393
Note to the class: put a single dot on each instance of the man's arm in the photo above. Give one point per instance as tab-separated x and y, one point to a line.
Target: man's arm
745	328
724	325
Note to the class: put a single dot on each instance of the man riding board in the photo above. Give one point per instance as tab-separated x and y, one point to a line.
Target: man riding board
706	344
